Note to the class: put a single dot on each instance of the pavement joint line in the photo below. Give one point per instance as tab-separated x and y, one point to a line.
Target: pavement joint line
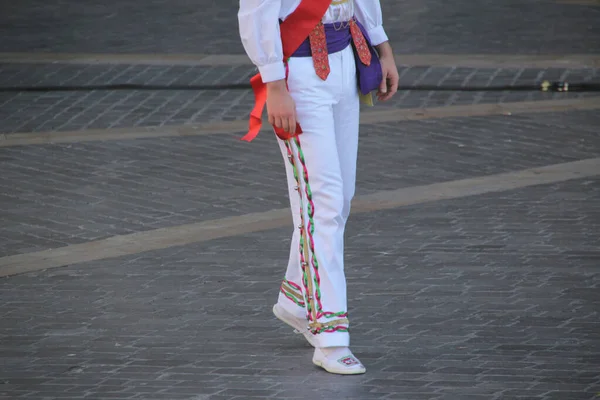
231	127
406	60
123	245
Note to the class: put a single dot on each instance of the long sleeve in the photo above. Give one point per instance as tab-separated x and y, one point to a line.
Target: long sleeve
368	13
259	32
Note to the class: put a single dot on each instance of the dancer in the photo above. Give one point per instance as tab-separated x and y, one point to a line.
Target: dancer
317	59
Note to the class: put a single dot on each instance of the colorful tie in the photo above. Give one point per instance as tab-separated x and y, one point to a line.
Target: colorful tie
360	43
318	47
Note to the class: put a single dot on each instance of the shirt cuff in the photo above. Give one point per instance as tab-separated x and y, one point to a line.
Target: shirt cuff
272	72
377	35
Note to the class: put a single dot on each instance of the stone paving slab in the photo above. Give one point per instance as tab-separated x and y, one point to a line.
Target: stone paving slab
55	195
208	27
65	111
486	297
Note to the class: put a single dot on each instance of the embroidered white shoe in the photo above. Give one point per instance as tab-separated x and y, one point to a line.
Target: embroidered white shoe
300	325
338	360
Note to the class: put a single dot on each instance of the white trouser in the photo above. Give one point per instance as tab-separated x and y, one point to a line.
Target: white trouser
324	155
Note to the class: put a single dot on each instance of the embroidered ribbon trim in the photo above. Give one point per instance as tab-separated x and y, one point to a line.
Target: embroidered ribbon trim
303	249
294	294
310	277
320	325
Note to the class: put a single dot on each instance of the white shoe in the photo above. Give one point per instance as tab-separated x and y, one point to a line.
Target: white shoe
300	325
338	360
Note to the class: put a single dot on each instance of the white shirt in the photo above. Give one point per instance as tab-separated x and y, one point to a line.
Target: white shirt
259	28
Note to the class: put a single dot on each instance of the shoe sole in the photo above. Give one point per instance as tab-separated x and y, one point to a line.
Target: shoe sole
281	315
339	371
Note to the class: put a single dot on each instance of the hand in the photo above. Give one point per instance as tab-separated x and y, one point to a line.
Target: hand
389	83
281	108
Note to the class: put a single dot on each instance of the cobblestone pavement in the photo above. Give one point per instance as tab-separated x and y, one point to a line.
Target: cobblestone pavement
56	111
186	26
55	195
486	297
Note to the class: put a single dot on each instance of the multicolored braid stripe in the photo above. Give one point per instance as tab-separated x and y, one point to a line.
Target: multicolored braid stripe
293	285
311	227
339	328
314	312
292	292
341	314
310	310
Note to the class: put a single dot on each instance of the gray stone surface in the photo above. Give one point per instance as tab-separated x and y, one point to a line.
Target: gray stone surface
54	195
185	26
487	297
492	297
58	111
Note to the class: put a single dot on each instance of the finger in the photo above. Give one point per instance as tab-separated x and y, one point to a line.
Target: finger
386	96
383	96
285	123
383	84
394	82
271	120
292	124
278	123
295	126
392	87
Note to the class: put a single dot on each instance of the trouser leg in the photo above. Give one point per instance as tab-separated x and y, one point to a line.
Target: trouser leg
346	114
323	201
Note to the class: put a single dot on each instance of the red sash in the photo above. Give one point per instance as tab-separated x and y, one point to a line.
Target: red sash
294	30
